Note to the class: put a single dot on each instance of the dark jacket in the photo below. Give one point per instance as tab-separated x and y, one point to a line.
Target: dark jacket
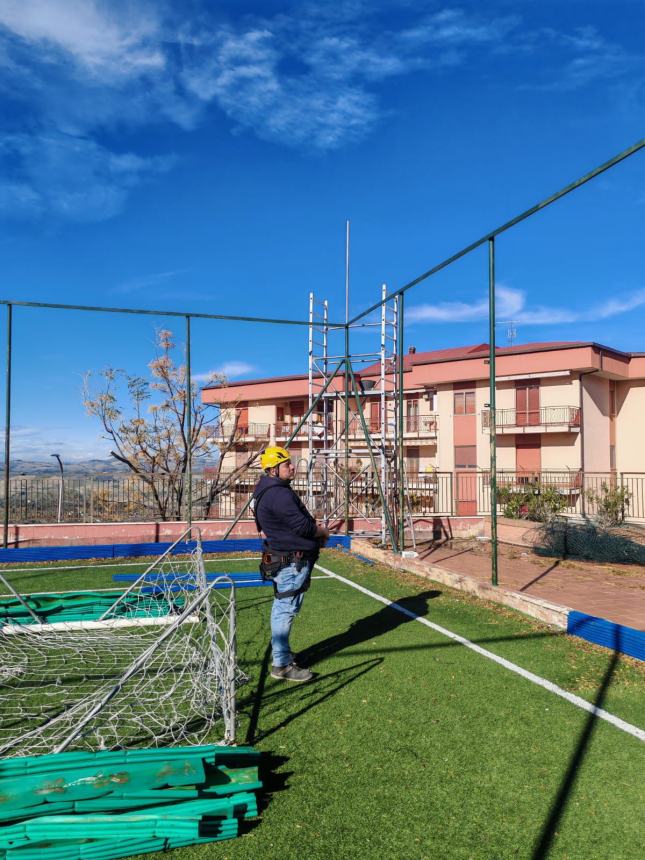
283	518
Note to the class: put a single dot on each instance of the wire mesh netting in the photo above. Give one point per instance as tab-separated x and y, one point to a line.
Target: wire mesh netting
157	667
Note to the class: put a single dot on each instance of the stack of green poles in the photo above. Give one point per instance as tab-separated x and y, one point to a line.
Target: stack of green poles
84	606
106	805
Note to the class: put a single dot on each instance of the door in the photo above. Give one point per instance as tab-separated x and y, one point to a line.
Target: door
466	480
375	416
527	404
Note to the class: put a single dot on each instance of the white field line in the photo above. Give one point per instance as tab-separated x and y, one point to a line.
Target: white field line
501	661
93	567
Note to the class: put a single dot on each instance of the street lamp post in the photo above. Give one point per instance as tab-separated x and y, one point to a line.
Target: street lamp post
60	486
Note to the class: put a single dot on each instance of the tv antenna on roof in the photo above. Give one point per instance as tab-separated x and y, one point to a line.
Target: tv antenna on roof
511	330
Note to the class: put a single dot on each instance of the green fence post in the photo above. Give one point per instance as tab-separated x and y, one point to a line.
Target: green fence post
492	407
7	429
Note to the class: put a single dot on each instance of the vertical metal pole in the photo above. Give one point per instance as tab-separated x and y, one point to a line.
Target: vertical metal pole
7	429
310	420
347	377
189	430
493	409
346	272
346	394
401	450
382	408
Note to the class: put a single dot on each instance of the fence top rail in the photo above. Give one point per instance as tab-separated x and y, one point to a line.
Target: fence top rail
150	312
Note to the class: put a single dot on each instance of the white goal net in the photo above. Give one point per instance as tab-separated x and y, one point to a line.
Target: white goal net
157	667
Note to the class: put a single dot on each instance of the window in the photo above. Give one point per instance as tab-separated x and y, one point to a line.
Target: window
279	413
464	402
412	462
465	456
527	403
296	408
412	415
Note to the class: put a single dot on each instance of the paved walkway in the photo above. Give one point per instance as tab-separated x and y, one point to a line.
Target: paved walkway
615	592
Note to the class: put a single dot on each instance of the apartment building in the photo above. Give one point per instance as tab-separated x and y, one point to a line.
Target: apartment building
561	407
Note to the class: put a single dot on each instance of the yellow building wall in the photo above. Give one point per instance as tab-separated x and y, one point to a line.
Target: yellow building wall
630	426
559	391
595	419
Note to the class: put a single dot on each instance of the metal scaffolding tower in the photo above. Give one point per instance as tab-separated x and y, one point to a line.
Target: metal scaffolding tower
374	389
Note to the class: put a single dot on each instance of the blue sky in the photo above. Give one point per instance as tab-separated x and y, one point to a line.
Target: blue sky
203	156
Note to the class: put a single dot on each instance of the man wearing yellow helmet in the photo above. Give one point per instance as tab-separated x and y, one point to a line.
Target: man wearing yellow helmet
292	545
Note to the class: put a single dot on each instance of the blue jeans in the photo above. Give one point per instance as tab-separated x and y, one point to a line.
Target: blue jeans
284	610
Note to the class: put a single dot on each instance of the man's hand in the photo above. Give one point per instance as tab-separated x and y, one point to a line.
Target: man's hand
322	535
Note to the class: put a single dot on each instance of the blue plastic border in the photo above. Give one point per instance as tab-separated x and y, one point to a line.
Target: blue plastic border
133	550
617	637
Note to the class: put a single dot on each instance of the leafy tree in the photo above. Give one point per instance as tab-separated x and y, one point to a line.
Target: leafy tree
146	420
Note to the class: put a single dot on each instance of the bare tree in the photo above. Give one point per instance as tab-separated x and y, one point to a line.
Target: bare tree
146	422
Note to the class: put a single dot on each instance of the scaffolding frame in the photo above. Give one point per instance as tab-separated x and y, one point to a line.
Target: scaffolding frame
336	445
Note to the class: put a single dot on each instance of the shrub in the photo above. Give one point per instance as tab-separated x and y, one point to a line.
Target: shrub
531	502
610	503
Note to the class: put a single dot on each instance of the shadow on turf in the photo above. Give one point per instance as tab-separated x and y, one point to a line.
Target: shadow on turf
322	688
559	805
377	624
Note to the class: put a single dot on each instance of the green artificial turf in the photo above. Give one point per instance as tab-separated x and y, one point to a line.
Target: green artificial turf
408	745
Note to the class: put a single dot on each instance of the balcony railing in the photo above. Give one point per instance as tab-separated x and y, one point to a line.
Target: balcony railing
243	431
421	425
546	416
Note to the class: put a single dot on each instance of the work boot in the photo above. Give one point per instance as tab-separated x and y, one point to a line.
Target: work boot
291	673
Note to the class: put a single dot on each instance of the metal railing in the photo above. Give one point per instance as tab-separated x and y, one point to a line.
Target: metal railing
430	493
421	425
243	431
545	416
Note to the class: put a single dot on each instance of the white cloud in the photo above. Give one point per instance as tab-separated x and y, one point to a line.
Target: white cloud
511	305
104	38
69	176
229	370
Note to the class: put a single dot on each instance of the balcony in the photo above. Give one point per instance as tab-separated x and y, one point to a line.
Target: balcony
547	419
415	427
420	427
243	432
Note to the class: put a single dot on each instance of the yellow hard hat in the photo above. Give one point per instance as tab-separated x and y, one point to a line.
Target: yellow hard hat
273	456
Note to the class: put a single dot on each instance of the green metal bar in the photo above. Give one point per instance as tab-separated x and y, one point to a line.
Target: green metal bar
346	481
159	313
189	430
368	441
7	429
314	403
401	449
492	405
607	165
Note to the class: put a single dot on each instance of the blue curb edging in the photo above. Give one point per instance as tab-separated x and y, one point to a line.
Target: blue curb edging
617	637
133	550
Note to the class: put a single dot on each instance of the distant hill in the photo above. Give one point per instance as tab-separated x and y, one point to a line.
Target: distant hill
77	469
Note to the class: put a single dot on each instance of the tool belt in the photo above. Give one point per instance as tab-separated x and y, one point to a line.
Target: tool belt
273	562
